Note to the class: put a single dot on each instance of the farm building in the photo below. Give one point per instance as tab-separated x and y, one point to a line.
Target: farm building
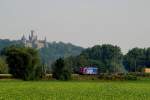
146	70
89	70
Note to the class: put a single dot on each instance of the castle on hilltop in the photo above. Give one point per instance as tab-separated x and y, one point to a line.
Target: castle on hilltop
33	41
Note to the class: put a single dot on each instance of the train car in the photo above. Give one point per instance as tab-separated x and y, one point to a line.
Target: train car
89	70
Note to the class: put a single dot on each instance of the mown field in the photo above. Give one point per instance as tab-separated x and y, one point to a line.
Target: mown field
74	90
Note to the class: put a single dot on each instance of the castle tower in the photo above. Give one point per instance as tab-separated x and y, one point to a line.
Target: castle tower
45	39
45	42
32	33
32	37
23	39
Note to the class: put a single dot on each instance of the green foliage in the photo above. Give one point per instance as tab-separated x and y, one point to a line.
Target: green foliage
6	43
119	76
23	62
140	74
3	66
51	53
107	58
137	59
130	77
82	60
78	77
61	70
56	50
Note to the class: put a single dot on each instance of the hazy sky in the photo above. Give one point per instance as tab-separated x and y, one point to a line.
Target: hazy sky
125	23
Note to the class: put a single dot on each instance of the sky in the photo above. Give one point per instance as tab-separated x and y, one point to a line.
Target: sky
85	23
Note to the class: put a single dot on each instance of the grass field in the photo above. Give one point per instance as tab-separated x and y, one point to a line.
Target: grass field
74	90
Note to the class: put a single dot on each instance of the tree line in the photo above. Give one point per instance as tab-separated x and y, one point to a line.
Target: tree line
25	63
109	58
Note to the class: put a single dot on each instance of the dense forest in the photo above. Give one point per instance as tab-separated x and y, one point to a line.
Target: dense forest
56	50
108	58
6	42
49	54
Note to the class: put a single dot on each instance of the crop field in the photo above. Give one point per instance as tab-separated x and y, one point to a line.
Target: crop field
74	90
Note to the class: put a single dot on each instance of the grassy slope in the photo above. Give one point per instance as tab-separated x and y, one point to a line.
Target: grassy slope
53	90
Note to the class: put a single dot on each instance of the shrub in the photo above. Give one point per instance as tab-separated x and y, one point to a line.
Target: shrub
141	74
117	77
84	77
3	67
130	77
60	71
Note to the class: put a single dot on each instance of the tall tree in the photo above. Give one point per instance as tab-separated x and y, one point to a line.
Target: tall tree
23	62
135	59
147	55
60	71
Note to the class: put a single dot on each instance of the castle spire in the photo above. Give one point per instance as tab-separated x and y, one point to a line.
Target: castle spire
32	33
45	39
45	42
23	39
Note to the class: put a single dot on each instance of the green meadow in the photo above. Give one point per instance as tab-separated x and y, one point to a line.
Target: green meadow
74	90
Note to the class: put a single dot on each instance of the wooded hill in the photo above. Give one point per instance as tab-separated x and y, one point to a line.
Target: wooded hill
49	54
